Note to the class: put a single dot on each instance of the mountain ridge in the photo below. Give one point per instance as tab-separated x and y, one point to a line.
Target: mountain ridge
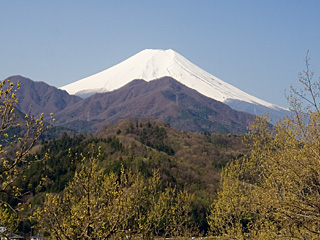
39	97
152	64
165	99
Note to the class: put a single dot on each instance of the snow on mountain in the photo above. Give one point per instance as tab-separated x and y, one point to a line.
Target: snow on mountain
152	64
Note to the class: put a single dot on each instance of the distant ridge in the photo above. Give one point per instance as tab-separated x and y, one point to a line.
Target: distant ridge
165	99
152	64
39	97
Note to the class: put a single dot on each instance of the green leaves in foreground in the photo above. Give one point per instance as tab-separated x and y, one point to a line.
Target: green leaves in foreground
96	205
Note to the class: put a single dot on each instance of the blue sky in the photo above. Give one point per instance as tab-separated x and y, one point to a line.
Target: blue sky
257	46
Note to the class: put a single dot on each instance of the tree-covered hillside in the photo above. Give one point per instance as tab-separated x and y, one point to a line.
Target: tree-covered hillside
187	161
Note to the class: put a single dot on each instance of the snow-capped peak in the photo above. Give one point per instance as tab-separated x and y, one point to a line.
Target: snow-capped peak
152	64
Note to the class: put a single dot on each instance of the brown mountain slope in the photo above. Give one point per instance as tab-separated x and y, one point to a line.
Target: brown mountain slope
164	99
40	97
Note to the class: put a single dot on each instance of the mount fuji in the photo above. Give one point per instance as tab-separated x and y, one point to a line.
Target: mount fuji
152	64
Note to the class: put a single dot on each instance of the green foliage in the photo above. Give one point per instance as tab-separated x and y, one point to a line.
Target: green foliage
274	193
190	168
13	151
152	135
97	205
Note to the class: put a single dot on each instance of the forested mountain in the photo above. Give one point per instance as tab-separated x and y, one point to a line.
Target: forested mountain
190	161
144	126
129	139
165	99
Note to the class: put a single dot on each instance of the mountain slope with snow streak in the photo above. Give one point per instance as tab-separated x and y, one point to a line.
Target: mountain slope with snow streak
152	64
